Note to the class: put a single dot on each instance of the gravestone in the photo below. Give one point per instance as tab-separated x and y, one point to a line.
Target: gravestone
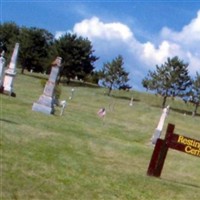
159	128
45	104
2	70
131	102
63	105
72	93
11	72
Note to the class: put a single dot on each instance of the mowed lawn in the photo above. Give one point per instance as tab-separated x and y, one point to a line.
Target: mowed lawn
81	156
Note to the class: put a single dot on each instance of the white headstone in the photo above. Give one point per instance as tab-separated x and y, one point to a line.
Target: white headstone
72	93
45	104
11	72
63	105
159	128
2	70
131	102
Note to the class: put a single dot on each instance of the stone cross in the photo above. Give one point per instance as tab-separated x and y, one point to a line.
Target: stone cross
2	70
11	72
159	128
45	104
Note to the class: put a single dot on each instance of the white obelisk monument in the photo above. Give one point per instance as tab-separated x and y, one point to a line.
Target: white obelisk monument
159	128
2	70
11	72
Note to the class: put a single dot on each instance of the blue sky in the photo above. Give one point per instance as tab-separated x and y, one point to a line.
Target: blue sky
144	32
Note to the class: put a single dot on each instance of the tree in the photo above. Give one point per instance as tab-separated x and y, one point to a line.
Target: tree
93	77
194	94
77	55
9	33
171	79
113	75
34	48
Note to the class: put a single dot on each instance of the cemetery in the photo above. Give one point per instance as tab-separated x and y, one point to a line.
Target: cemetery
84	144
51	153
7	75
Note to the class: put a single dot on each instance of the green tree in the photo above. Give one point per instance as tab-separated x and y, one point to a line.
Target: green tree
92	77
171	79
35	46
113	74
194	94
9	35
77	55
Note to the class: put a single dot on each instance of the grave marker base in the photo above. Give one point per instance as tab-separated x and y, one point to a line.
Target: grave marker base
42	108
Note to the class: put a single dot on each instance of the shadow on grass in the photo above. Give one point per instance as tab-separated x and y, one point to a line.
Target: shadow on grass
72	83
156	106
182	111
183	183
80	84
178	110
124	98
38	76
8	121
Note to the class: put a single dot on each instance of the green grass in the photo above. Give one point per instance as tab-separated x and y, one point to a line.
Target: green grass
79	156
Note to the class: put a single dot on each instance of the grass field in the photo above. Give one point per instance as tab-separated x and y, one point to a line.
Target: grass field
80	156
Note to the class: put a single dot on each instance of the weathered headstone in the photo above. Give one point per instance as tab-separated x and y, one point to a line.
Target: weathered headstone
63	105
131	102
2	70
45	104
11	72
159	128
72	93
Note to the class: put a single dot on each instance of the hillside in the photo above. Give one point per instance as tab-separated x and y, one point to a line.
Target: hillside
80	156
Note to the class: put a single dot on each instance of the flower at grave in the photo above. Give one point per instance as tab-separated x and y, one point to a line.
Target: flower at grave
101	112
63	103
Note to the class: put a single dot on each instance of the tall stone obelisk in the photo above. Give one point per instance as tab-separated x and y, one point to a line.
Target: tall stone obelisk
2	70
11	72
159	128
45	104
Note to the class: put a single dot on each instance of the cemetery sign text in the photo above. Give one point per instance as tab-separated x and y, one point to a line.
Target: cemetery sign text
173	141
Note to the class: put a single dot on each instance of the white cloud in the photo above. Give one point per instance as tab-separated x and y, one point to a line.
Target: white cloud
194	63
188	39
59	34
156	56
94	28
110	39
189	35
150	53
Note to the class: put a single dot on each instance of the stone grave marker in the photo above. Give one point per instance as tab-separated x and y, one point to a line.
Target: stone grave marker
159	128
72	94
2	70
11	72
63	105
45	104
131	102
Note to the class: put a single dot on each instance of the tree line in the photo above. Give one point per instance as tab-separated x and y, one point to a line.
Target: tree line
38	48
172	79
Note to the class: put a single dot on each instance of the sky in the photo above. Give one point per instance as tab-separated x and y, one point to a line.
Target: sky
145	33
